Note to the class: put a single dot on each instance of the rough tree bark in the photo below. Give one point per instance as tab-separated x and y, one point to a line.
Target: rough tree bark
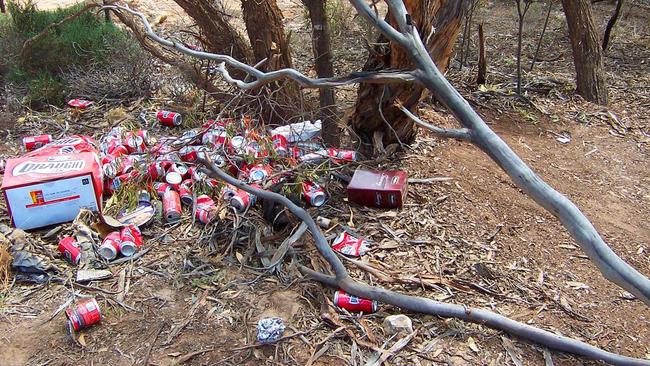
587	53
482	62
265	31
2	6
224	38
373	101
322	49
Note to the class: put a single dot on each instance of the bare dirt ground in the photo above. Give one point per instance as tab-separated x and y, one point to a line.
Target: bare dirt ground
481	240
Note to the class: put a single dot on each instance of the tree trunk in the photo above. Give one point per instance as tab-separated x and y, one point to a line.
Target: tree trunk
445	16
587	53
482	62
323	63
2	6
221	36
265	31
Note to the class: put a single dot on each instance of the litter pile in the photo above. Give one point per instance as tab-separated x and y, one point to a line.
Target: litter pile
132	179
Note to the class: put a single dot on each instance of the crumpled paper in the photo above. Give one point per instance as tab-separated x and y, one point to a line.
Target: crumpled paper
270	330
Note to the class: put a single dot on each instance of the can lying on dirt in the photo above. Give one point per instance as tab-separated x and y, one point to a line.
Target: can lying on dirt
349	245
169	119
110	246
84	314
70	249
131	240
31	143
354	303
313	193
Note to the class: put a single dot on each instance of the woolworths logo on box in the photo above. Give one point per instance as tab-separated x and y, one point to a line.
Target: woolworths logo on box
49	167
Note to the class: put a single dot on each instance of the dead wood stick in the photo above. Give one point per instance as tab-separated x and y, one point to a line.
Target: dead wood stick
153	342
429	180
342	280
188	356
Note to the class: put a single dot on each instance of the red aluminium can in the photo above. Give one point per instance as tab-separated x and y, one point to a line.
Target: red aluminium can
185	192
156	170
70	249
34	142
131	238
84	314
110	246
204	209
172	206
161	188
350	245
313	193
354	303
280	145
169	119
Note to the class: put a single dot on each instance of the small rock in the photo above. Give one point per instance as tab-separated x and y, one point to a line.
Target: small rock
398	323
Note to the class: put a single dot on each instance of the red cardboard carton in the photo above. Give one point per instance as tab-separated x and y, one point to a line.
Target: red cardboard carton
50	185
383	189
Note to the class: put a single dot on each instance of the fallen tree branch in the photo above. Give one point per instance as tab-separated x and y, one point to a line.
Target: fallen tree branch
418	304
474	130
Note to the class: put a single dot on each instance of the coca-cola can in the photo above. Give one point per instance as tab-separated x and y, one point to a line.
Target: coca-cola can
135	144
204	209
179	168
144	197
156	171
111	170
131	240
110	246
350	245
227	192
80	103
34	142
173	179
347	155
121	179
214	138
238	144
185	193
118	149
259	172
169	119
172	206
191	153
313	193
212	183
242	200
280	145
218	160
83	314
354	303
198	175
70	249
146	137
295	152
161	188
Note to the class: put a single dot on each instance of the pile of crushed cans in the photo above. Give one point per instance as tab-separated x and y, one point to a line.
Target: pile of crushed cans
241	147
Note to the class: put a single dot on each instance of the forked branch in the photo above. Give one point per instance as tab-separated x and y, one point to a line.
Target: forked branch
342	280
426	73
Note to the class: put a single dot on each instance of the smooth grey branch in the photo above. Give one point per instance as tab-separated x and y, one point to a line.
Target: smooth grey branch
453	133
419	304
377	77
580	228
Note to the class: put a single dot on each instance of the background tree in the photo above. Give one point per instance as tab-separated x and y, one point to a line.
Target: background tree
611	23
587	52
522	9
322	48
375	110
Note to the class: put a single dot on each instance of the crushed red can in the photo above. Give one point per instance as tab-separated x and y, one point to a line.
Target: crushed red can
110	246
204	209
280	145
347	155
347	244
70	249
185	192
156	171
83	314
259	172
242	200
173	179
135	143
172	206
31	143
80	103
169	119
131	240
313	193
354	303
